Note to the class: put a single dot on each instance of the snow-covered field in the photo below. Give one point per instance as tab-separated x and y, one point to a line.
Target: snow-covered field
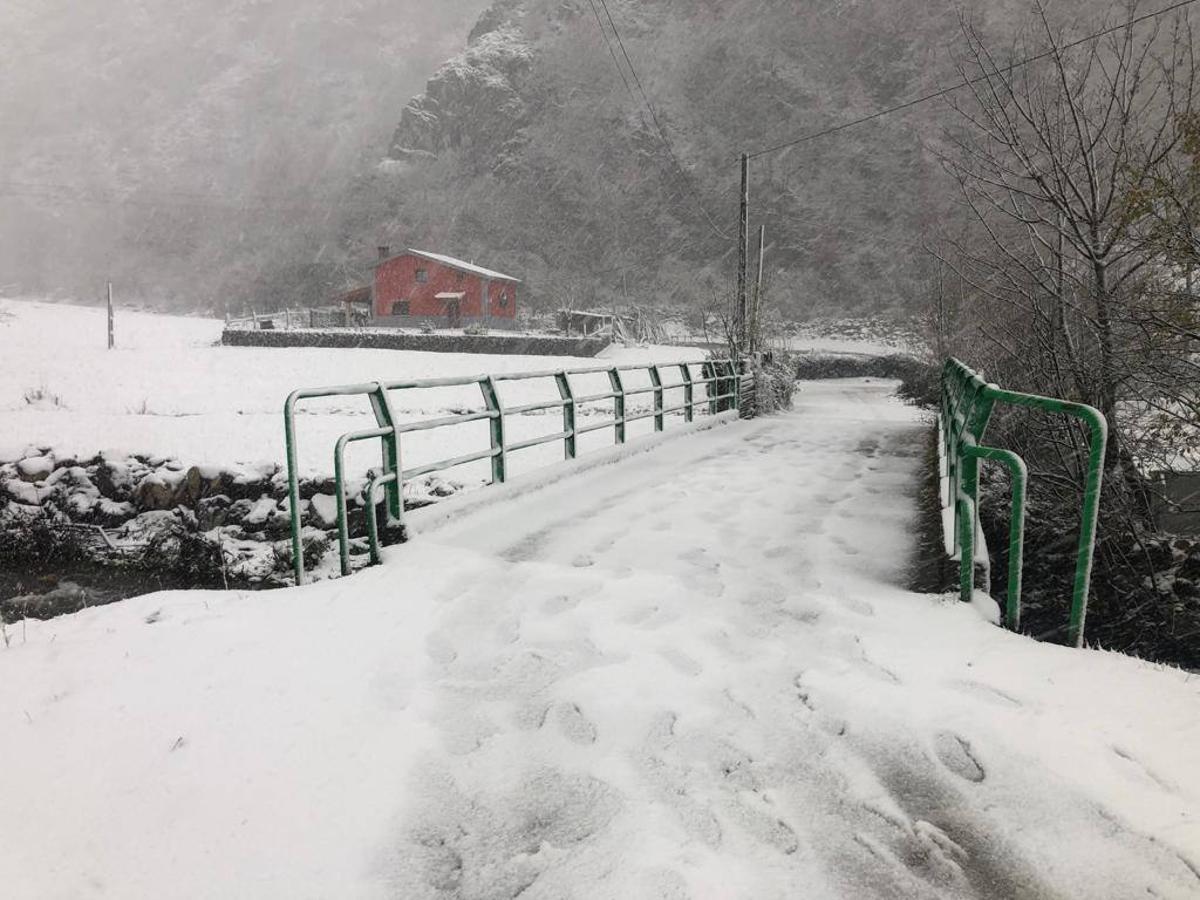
170	390
690	674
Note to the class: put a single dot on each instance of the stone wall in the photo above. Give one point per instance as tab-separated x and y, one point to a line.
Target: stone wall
499	344
198	526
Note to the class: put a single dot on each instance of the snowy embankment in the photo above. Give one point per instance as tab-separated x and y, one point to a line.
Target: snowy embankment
170	390
166	453
688	674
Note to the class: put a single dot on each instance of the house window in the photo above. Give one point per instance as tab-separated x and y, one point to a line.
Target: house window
422	276
504	300
400	308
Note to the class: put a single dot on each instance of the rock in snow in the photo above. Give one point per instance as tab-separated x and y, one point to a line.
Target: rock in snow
324	509
35	468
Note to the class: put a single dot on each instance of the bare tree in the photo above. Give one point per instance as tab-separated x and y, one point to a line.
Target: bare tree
1063	164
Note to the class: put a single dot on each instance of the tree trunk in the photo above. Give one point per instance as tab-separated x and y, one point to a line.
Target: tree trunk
1107	371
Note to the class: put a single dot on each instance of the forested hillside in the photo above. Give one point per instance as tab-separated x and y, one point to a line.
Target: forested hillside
535	150
279	152
199	150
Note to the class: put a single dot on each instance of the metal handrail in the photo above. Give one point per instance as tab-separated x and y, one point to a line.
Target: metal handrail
967	402
720	378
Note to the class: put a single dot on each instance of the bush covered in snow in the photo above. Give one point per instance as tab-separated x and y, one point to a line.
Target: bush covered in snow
1145	597
775	382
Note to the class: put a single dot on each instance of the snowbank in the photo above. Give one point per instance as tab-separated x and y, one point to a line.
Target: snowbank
169	389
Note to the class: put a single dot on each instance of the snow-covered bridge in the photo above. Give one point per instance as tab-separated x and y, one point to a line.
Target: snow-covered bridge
693	673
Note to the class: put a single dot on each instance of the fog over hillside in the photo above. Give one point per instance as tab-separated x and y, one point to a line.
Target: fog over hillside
225	152
536	148
187	149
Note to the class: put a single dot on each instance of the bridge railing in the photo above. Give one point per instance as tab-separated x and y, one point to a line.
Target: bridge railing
725	385
967	402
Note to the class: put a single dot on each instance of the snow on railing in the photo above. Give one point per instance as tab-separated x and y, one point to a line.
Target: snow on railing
966	408
728	385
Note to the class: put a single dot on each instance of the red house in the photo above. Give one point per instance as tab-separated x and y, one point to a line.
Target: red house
420	288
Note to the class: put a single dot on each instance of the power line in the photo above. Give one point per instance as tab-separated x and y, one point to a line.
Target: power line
662	135
967	82
611	51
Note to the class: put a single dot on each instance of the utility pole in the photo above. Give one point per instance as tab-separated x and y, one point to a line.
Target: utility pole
743	255
111	341
755	317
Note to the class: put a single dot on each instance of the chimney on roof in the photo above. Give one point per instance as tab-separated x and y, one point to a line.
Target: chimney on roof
384	251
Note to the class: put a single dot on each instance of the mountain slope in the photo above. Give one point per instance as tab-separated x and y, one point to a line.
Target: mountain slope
532	150
190	148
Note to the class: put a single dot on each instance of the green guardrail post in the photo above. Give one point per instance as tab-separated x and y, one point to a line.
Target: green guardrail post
375	481
563	380
709	373
496	429
966	546
381	405
289	440
1016	525
1090	514
967	404
1089	520
339	491
686	373
656	381
614	377
968	493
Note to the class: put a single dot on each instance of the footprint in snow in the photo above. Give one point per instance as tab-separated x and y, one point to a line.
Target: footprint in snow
681	661
987	692
440	649
1145	770
936	852
582	561
574	725
855	605
607	542
955	754
559	603
752	812
846	547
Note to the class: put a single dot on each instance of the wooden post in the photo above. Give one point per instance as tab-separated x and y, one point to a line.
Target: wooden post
755	321
743	255
111	340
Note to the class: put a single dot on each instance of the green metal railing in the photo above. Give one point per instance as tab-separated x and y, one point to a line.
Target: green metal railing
721	380
967	403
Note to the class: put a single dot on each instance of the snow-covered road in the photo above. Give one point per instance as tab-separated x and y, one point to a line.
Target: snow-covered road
694	673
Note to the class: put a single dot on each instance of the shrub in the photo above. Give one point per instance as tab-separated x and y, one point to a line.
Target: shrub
775	383
40	396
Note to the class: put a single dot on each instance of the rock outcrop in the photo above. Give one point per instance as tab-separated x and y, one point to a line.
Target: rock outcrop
204	525
474	102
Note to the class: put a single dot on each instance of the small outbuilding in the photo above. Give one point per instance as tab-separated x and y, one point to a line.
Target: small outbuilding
417	288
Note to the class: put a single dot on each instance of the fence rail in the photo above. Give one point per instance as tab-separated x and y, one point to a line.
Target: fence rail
725	383
967	402
288	319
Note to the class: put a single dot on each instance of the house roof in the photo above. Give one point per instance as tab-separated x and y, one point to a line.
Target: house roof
461	265
354	295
